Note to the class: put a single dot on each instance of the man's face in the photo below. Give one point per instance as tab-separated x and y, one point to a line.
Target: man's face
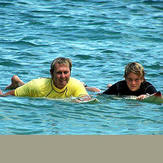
61	75
133	81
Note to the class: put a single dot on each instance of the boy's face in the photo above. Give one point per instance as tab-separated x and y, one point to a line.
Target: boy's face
133	81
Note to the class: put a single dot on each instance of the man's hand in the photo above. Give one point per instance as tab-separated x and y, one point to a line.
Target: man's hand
83	99
7	94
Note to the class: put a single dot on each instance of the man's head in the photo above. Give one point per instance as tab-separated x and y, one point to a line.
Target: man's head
134	75
60	71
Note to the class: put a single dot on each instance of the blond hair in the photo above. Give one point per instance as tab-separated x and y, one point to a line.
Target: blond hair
60	60
135	68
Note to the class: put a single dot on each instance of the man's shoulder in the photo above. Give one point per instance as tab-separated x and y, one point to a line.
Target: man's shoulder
76	87
74	81
39	82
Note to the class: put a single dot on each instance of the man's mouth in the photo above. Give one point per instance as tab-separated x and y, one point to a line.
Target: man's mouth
63	80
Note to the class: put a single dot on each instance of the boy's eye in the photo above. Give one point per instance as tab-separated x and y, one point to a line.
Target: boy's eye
136	80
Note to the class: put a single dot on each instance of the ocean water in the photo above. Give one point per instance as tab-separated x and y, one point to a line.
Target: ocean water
101	37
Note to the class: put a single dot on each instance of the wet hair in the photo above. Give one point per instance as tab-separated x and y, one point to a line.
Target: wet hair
60	60
135	68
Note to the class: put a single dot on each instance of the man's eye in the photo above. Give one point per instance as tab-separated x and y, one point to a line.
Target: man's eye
66	72
59	72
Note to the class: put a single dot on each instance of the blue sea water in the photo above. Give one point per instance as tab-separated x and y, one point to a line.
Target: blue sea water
101	37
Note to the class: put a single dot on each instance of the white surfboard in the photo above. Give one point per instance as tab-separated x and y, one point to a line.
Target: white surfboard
92	100
80	100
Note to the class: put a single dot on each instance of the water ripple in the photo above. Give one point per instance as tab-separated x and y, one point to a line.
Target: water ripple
100	37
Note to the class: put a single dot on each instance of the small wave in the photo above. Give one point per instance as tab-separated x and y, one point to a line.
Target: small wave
154	66
9	62
19	43
109	51
141	50
4	4
23	131
153	1
83	57
152	38
22	43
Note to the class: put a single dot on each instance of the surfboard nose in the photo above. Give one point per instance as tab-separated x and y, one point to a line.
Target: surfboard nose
158	94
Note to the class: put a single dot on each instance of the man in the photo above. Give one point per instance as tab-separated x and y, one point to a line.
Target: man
60	85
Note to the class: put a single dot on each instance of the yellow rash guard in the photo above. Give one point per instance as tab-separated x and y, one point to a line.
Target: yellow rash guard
44	87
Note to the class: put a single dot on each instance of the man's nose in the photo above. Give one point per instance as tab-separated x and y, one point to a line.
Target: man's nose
62	75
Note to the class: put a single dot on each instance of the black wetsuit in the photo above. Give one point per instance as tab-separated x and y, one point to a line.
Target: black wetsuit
121	88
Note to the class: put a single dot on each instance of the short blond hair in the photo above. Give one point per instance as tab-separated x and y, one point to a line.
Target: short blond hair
135	68
60	60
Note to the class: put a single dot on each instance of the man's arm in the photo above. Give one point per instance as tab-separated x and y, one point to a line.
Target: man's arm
81	93
92	89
